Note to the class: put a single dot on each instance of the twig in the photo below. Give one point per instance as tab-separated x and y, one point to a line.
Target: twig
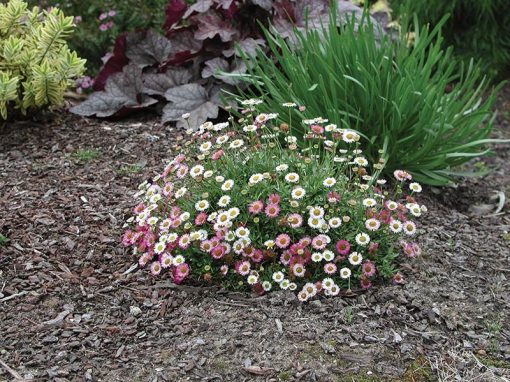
12	372
13	296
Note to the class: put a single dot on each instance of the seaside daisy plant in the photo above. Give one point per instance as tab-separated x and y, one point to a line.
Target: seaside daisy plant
244	206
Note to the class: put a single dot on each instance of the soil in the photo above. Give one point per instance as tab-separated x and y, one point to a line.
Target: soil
74	307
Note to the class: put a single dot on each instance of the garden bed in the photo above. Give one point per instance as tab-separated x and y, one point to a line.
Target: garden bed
74	307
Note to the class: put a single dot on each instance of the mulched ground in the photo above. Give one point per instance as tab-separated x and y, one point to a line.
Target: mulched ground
72	307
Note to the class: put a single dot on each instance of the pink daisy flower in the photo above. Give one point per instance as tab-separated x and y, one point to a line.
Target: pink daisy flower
298	270
176	223
330	268
409	250
181	271
333	197
256	207
175	212
217	154
285	257
155	268
295	220
184	241
218	252
182	171
373	247
368	268
166	260
273	199
206	246
167	189
398	278
319	242
305	241
243	267
272	210
365	283
143	260
257	256
201	218
343	247
401	175
282	240
127	238
139	208
416	249
317	129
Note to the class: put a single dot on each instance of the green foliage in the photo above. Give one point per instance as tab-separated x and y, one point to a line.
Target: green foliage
3	240
36	66
82	156
392	92
476	28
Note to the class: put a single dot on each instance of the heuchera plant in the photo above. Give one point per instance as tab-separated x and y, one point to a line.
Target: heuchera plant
244	206
189	66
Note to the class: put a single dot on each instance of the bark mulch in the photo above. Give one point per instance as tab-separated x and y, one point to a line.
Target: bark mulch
74	307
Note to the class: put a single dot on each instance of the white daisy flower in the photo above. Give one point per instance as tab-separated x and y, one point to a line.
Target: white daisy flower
206	146
256	178
278	277
328	255
201	205
252	279
179	259
316	212
316	257
327	283
196	171
349	136
292	177
416	187
185	216
381	181
159	247
315	222
360	161
224	201
172	237
222	139
242	232
233	212
266	285
152	220
285	284
372	224
250	128
345	273
282	167
227	185
230	236
391	205
329	182
236	144
180	192
335	222
220	126
395	226
298	193
362	239
355	258
409	228
369	202
269	244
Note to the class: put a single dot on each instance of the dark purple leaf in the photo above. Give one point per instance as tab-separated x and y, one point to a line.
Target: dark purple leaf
122	90
173	14
159	83
114	64
146	49
190	98
217	67
201	6
211	25
184	41
249	46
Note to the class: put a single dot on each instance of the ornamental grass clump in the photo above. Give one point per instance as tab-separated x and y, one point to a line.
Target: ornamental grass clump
36	66
243	206
409	97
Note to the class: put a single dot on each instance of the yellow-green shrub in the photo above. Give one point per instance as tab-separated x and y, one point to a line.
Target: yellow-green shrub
36	66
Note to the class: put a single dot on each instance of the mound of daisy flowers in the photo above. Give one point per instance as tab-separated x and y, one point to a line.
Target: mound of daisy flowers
244	205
